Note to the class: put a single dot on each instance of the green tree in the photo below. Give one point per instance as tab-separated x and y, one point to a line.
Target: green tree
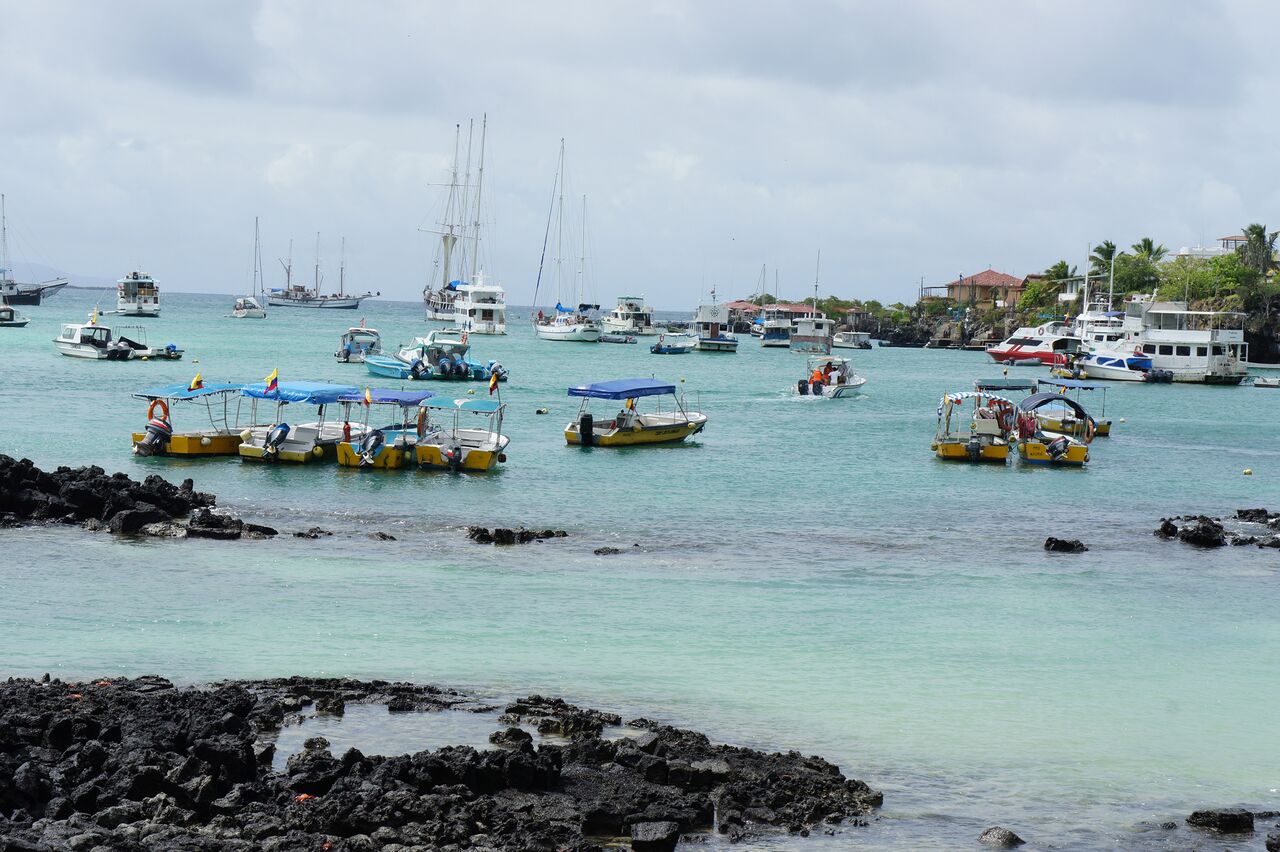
1100	260
1059	271
1259	249
1040	293
1147	248
1224	282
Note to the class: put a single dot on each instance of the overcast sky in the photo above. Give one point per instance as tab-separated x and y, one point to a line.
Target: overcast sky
902	139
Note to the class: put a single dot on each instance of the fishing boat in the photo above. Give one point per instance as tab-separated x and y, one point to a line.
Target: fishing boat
830	377
567	324
104	343
978	435
480	307
449	443
442	355
630	427
214	408
9	318
300	296
1064	420
712	328
674	343
281	442
137	295
1050	344
851	340
11	291
1037	447
358	343
248	307
630	316
388	447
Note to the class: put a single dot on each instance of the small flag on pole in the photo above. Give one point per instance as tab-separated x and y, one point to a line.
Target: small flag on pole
197	383
493	382
368	397
273	381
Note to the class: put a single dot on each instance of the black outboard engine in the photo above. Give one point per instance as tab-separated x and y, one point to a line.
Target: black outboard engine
587	429
152	443
460	368
817	388
802	387
276	436
417	368
445	367
370	445
1057	448
973	449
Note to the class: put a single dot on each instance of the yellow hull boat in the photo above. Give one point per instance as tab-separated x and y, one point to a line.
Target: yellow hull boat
196	444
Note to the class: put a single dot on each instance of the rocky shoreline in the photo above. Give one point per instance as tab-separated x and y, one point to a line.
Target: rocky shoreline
142	764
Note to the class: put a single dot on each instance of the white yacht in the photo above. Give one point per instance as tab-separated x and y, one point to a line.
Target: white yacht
574	323
711	326
248	307
631	316
137	296
480	307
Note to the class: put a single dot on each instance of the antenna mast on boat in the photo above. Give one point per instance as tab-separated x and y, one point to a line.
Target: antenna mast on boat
4	240
342	266
816	267
475	257
317	263
288	267
582	256
464	201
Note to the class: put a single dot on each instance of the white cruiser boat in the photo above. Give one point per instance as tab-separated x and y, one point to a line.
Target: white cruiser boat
480	308
711	327
829	376
137	296
851	340
103	343
1051	343
631	316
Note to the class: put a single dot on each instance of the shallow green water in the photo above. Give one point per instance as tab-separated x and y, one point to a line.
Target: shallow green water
809	575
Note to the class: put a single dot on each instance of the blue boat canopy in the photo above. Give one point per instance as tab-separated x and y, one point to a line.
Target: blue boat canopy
405	399
182	392
311	393
623	389
485	406
1068	383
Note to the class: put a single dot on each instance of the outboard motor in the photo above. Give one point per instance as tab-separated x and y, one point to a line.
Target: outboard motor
370	446
460	368
973	449
496	369
445	367
802	387
152	443
587	429
452	457
276	436
1057	448
417	368
817	388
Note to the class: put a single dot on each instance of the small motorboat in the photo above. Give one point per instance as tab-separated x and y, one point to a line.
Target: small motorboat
103	343
448	443
9	318
281	442
630	427
442	355
829	376
851	340
674	343
617	338
1064	420
1261	382
247	307
215	407
357	343
387	447
981	435
1037	447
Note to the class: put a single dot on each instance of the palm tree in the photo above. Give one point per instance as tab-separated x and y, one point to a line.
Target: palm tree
1060	271
1259	249
1147	248
1100	260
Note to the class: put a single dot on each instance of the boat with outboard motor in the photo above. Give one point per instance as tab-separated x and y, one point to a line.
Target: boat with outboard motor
387	447
305	442
222	406
441	355
137	295
851	340
1111	362
982	435
674	343
629	427
9	318
1065	420
451	445
829	376
358	343
105	343
618	338
1036	447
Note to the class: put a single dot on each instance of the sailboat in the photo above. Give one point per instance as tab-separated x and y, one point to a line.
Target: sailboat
438	301
571	323
301	296
11	292
248	307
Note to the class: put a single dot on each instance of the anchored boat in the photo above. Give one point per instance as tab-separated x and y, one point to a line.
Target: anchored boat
829	376
137	295
851	340
9	318
712	327
103	343
1035	447
358	343
387	447
1063	419
630	427
980	435
674	343
442	355
300	443
630	316
217	405
454	446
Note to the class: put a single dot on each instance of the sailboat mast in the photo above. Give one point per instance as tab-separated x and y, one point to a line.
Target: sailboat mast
582	256
560	230
288	267
465	198
257	259
317	285
342	266
4	241
1088	252
475	257
816	267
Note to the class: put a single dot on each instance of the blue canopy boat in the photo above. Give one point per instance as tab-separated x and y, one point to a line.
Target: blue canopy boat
301	443
449	444
629	427
221	435
387	447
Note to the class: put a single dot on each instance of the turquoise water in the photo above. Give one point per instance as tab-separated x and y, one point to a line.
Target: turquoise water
809	576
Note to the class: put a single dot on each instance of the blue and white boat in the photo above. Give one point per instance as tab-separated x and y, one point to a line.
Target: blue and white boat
441	355
711	325
674	343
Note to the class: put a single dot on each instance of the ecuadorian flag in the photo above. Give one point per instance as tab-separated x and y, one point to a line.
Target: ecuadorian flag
196	383
273	381
493	383
368	397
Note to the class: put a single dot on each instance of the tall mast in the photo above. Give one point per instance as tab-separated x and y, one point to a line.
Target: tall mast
4	241
1088	251
817	266
475	257
464	200
257	260
317	263
288	267
560	229
582	257
449	237
342	266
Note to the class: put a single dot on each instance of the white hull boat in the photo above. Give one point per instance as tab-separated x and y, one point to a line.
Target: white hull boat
631	316
571	329
137	296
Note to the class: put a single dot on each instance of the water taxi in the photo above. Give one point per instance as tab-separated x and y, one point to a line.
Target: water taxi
1036	447
387	447
1050	343
978	436
221	437
357	343
631	428
1064	420
454	446
829	376
304	442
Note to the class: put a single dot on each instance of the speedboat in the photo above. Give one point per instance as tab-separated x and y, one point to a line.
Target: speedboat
712	327
1263	382
630	316
441	355
357	343
248	307
1036	447
218	432
103	343
299	443
449	444
851	340
978	436
829	376
137	295
674	343
1064	420
1049	344
387	447
9	318
630	427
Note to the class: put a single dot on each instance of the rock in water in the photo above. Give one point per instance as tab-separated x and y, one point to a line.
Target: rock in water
1225	820
1167	529
1000	837
654	836
1257	516
1203	532
1064	545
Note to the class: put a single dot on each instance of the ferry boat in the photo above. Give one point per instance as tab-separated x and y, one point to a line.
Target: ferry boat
218	432
137	296
480	308
11	291
456	446
711	327
829	376
301	296
388	447
1050	343
300	443
630	427
982	435
9	318
630	316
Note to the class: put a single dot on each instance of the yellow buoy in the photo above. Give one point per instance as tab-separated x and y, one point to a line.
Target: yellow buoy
471	392
1248	471
317	451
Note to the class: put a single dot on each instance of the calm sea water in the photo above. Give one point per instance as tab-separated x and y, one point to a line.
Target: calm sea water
808	575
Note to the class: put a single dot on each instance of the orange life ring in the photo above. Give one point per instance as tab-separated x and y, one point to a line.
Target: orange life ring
422	422
164	409
1137	351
